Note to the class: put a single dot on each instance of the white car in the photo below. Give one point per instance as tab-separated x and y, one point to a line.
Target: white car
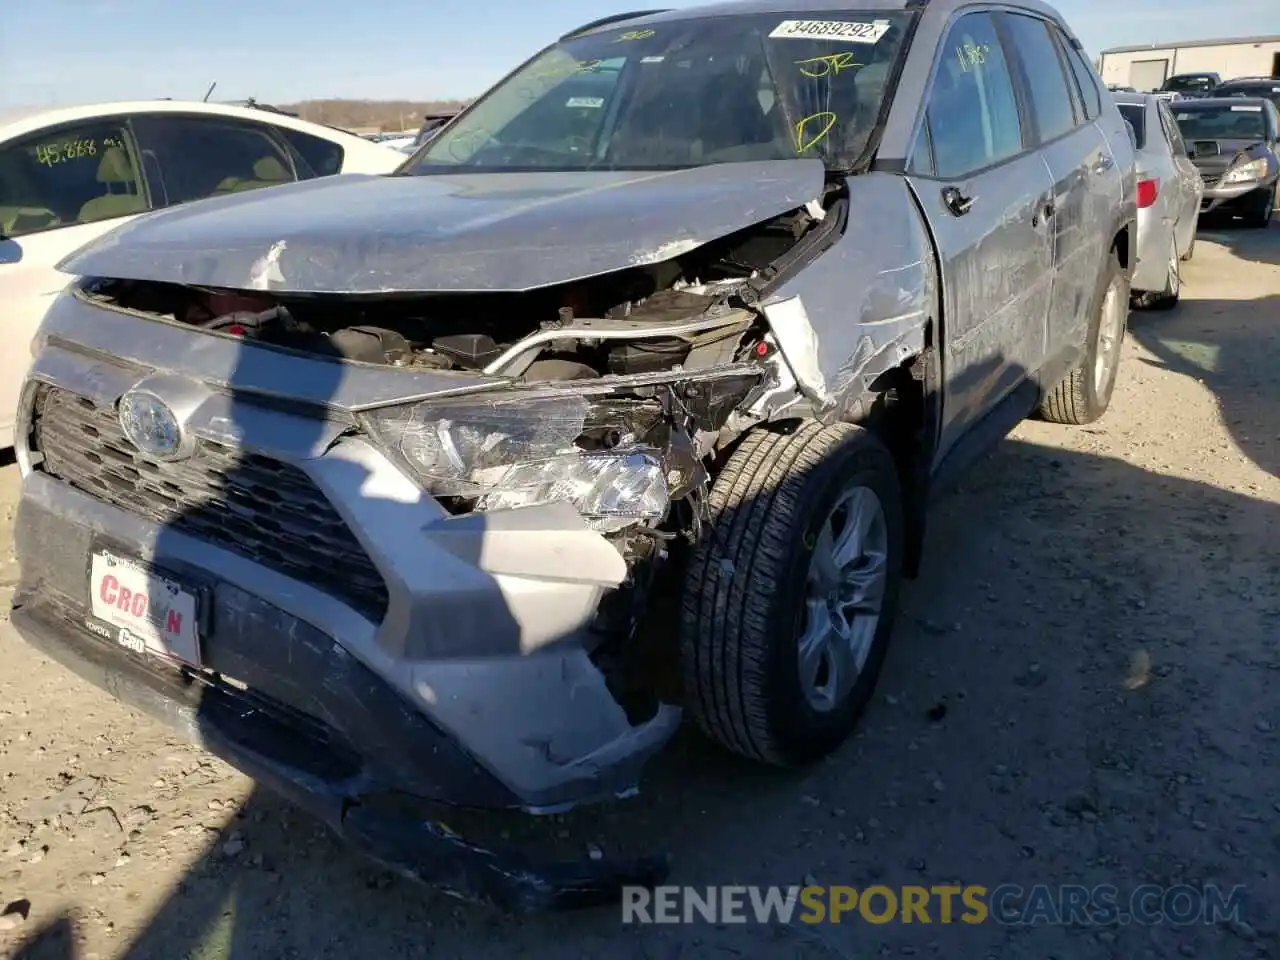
69	175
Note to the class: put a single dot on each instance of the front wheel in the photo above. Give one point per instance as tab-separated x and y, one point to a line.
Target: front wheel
790	599
1259	215
1084	394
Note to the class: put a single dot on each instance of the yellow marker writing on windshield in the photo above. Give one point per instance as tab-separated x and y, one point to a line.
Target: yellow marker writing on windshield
635	35
819	67
806	137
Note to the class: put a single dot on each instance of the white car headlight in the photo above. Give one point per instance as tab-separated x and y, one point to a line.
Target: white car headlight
506	452
1253	170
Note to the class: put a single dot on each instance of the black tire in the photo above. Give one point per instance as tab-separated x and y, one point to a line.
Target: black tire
1259	214
743	602
1077	399
1167	298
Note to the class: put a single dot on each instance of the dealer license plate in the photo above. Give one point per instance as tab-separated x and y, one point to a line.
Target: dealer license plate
143	611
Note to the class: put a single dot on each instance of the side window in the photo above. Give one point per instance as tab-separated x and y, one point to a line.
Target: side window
72	175
1084	77
323	157
922	164
1050	99
190	158
972	111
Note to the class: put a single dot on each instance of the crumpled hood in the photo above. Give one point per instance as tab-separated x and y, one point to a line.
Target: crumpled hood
454	233
1233	152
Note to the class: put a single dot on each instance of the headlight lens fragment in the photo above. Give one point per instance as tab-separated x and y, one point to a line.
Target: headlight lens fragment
511	452
1253	170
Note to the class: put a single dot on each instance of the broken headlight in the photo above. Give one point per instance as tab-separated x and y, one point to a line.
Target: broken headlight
1246	172
515	452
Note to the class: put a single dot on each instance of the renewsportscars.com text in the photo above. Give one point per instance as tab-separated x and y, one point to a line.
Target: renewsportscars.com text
1007	904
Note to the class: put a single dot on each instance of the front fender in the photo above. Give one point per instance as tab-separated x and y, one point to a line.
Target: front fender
870	298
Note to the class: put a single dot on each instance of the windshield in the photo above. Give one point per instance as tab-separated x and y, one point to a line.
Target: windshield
1269	90
1192	82
1242	122
684	93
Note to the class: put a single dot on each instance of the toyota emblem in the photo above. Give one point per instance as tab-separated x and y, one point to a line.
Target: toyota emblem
150	425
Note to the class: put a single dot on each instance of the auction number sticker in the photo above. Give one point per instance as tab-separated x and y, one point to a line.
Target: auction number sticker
589	103
1247	109
846	31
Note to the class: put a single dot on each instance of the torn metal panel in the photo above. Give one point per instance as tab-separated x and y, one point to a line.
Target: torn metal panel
868	300
447	233
799	346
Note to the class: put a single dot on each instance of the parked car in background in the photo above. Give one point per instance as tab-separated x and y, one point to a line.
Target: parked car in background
1190	85
432	124
1169	192
482	409
1267	87
1233	143
69	175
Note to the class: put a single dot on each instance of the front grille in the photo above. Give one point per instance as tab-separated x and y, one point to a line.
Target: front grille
252	505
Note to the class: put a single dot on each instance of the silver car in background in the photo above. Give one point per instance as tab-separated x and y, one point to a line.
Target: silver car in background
1169	192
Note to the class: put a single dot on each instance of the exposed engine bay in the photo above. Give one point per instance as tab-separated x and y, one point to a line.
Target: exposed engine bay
670	361
646	319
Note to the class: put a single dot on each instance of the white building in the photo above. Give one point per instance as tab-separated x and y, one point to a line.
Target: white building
1146	68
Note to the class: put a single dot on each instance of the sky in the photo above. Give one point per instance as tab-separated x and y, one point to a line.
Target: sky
55	52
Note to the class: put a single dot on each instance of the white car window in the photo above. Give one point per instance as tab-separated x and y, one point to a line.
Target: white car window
71	175
192	157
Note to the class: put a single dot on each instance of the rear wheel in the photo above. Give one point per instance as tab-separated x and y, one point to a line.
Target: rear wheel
791	593
1084	394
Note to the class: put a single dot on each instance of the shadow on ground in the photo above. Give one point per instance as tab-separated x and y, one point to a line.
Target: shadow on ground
1051	703
1238	360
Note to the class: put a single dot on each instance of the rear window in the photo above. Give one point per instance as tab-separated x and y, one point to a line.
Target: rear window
324	157
1190	81
1243	122
1136	114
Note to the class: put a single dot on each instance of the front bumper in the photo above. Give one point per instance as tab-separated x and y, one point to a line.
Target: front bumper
293	756
1233	195
469	683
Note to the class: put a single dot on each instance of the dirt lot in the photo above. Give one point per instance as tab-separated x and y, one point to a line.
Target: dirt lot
1082	690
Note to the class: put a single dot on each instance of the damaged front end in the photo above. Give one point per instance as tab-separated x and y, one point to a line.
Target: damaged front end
525	469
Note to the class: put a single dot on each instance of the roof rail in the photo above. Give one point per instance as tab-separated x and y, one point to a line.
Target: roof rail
616	18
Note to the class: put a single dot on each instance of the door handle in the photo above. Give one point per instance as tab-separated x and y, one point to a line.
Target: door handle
1044	213
1105	163
956	202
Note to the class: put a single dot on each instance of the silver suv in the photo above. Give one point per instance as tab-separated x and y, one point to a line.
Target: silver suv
417	487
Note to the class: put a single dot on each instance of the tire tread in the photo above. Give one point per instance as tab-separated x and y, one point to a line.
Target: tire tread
725	619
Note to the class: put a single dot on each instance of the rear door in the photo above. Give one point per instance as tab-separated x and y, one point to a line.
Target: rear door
1190	186
983	191
1079	160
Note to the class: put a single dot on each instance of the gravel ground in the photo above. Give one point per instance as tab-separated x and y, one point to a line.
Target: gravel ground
1081	690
